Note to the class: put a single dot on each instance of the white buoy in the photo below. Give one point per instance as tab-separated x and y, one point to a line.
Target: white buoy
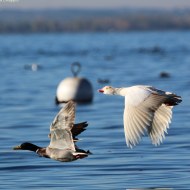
74	88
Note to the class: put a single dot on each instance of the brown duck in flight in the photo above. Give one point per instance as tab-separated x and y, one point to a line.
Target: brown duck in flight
63	134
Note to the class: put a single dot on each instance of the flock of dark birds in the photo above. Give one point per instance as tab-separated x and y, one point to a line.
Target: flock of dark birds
147	111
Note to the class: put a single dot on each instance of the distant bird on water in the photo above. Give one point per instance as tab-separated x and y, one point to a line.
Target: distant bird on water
63	134
147	109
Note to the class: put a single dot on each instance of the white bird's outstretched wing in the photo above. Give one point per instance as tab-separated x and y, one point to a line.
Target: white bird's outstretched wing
60	129
147	110
160	124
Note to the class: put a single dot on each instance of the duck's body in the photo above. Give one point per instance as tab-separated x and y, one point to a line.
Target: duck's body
147	109
63	134
63	155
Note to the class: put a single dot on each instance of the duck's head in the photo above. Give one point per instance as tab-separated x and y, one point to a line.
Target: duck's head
26	146
107	90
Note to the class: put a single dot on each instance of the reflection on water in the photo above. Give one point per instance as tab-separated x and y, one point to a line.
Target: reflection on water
27	109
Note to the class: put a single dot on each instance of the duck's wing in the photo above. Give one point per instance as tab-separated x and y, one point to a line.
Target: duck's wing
65	118
144	112
60	129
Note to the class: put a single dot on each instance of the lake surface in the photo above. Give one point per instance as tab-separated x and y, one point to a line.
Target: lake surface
28	108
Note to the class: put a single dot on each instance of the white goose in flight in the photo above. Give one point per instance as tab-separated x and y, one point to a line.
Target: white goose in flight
147	109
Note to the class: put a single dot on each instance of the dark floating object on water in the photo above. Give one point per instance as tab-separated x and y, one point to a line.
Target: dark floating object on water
62	135
32	67
153	50
74	88
103	81
165	75
108	57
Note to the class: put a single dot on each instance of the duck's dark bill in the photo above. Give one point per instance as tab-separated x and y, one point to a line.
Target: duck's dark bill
17	148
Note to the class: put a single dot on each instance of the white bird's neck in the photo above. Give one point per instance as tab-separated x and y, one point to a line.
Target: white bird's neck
121	91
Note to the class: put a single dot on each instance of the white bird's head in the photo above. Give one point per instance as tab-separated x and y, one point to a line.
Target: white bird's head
107	90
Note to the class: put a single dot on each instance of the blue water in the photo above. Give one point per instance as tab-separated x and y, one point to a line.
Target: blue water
27	108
